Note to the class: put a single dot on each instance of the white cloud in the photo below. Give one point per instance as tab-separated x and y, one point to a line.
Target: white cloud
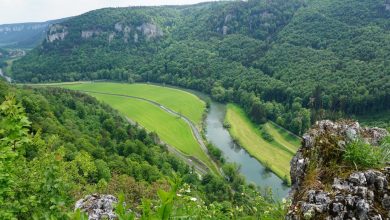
16	11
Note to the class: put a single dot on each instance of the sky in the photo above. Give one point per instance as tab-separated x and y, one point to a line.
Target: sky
19	11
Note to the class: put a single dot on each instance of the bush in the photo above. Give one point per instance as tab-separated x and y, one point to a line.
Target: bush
267	136
363	155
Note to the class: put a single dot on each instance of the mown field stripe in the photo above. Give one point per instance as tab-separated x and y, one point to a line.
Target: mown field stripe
161	124
273	155
291	145
180	101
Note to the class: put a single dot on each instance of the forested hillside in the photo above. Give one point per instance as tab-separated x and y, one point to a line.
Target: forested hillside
58	146
291	61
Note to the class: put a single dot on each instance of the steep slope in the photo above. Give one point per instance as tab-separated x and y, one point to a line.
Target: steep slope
277	59
59	145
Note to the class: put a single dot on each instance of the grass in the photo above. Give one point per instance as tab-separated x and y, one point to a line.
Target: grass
275	155
171	129
178	100
379	119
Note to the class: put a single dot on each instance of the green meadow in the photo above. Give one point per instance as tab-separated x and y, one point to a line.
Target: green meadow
275	154
180	101
170	128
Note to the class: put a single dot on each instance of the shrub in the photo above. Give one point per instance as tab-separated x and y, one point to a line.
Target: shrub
363	155
267	136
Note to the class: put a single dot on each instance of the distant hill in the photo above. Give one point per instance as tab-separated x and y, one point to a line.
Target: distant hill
291	61
24	35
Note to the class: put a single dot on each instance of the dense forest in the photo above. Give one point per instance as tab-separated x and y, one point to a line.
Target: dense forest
58	146
292	62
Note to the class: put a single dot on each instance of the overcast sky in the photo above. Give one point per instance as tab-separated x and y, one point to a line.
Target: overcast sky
17	11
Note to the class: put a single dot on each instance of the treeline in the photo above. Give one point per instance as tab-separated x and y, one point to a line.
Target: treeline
58	146
292	61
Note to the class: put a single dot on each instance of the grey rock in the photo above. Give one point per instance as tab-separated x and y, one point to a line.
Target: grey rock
339	185
311	196
359	196
337	207
370	195
308	141
362	209
350	200
151	30
386	202
358	178
98	206
322	198
370	177
361	191
85	34
57	32
352	133
376	217
374	135
380	183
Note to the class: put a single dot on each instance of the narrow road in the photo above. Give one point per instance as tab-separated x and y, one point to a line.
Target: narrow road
192	161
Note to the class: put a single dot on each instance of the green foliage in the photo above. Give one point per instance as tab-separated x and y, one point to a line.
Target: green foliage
215	152
62	145
335	59
363	155
121	210
267	136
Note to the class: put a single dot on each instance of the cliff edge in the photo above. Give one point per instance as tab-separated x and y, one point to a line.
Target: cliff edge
341	172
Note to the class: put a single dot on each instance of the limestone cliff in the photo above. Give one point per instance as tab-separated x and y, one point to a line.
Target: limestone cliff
57	32
121	31
325	187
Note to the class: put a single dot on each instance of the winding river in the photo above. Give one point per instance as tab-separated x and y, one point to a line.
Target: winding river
253	170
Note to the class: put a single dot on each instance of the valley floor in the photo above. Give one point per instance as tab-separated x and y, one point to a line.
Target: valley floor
173	114
276	154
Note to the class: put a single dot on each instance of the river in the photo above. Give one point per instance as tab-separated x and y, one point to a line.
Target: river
252	170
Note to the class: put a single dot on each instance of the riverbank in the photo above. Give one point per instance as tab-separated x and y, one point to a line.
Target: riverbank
275	153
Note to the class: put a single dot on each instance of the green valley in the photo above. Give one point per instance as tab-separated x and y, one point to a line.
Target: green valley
148	105
275	154
178	100
195	111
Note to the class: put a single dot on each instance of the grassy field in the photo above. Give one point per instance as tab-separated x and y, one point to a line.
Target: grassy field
180	101
171	129
275	155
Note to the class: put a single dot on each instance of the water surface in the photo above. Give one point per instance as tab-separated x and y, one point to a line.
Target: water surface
253	170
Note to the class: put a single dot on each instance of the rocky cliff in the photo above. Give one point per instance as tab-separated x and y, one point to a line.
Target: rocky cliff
24	35
324	186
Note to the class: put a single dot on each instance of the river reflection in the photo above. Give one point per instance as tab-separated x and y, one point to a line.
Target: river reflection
253	170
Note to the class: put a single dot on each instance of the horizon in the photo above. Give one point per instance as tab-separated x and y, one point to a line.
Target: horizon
24	11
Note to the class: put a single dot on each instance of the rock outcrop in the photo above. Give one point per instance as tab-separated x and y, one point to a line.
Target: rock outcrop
90	33
98	206
57	32
323	189
387	5
150	30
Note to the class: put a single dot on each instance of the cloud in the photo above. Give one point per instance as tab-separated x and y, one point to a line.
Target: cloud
17	11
